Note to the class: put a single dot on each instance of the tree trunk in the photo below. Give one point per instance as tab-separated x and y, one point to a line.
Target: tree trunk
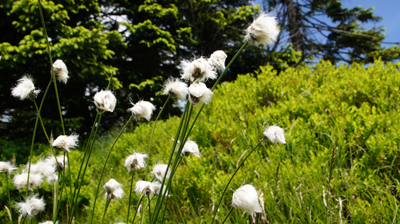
294	27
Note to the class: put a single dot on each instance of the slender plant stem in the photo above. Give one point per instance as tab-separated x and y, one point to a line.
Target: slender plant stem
233	175
154	127
30	155
159	201
84	170
148	196
55	201
137	208
104	166
9	198
226	218
85	154
130	195
41	121
105	210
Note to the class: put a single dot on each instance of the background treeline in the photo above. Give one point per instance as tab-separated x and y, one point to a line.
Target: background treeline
340	163
143	42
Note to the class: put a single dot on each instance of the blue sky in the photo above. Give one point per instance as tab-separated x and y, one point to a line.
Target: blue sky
387	9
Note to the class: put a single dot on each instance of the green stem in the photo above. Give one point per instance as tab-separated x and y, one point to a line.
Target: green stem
154	127
30	155
137	208
41	121
84	170
237	169
9	198
55	201
157	207
84	156
130	195
226	218
104	166
148	196
105	210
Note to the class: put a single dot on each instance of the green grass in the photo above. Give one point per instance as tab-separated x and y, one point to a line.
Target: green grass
340	163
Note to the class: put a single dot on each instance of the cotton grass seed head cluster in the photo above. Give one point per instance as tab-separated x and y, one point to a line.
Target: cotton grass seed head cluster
105	101
190	148
114	189
197	70
6	167
20	180
32	206
217	60
144	187
160	170
246	199
175	88
275	134
264	30
66	142
59	162
142	109
42	168
199	93
25	89
60	71
135	161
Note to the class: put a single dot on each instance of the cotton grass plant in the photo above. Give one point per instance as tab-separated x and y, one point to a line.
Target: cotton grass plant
190	87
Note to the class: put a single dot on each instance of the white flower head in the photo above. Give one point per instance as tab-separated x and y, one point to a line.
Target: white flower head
246	198
111	186
264	30
66	142
32	206
157	187
51	179
142	109
198	70
275	134
42	168
20	180
217	60
118	194
160	170
57	162
6	167
135	161
25	89
48	222
175	88
60	70
199	93
144	187
190	147
105	101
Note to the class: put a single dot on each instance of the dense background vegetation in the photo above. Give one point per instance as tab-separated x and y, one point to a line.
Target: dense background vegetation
340	163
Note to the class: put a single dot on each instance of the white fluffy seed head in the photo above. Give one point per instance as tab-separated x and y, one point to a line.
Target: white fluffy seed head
105	101
60	70
190	147
25	89
199	93
118	194
111	186
32	206
275	134
66	142
197	70
144	187
51	179
264	30
157	187
135	161
159	171
20	180
217	60
41	167
142	109
175	88
48	222
6	167
57	162
246	199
